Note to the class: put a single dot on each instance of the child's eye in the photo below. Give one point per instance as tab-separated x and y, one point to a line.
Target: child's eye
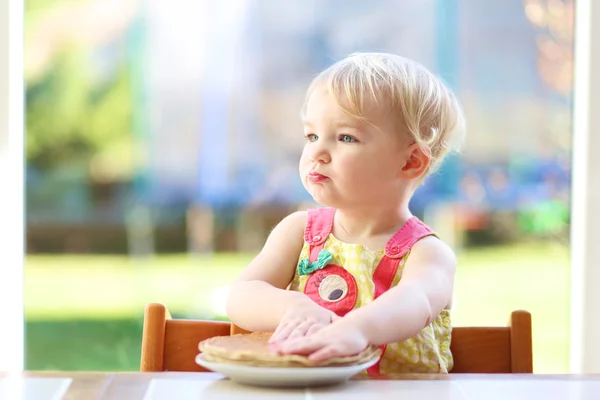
311	137
347	139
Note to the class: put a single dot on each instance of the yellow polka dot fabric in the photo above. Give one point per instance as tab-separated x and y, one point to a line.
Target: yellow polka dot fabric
428	351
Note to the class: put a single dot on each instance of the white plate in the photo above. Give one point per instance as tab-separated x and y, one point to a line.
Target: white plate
285	377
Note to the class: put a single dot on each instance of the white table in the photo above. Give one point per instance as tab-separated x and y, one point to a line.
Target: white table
170	385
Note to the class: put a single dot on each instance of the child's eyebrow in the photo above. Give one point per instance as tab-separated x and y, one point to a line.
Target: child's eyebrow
337	124
346	124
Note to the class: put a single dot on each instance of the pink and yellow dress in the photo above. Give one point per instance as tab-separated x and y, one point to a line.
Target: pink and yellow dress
342	276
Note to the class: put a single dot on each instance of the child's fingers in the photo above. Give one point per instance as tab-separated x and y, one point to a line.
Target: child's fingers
314	329
300	330
303	345
282	332
326	353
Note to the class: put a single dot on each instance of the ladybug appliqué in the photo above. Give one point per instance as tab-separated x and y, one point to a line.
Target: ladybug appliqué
334	288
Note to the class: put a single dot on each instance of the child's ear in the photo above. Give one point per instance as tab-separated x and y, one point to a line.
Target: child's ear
416	162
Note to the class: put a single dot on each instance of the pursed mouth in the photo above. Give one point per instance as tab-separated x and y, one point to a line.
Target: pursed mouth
316	177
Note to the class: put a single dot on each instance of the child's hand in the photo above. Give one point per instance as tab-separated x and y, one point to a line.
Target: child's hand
303	318
342	338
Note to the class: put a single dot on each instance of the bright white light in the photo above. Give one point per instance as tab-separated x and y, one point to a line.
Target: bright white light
585	208
218	300
11	184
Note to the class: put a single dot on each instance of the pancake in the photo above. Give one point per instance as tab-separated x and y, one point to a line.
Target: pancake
253	349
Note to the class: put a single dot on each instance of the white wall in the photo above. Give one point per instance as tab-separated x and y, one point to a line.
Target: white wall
585	258
11	185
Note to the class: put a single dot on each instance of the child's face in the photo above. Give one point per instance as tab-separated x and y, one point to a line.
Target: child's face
347	162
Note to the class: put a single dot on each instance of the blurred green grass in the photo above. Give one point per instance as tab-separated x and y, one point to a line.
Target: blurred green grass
85	312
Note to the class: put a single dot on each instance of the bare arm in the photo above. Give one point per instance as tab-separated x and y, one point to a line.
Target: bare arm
259	298
423	292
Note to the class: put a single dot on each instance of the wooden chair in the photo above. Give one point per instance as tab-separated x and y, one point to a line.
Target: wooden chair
494	349
172	344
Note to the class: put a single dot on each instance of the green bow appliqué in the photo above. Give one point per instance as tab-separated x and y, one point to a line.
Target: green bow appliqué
305	267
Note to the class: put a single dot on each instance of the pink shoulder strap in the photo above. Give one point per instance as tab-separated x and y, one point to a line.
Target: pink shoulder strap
410	233
318	227
383	277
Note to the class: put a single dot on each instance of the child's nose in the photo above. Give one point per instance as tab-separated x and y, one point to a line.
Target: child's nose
320	154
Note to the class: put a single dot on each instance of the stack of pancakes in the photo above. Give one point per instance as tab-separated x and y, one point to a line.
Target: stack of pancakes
254	350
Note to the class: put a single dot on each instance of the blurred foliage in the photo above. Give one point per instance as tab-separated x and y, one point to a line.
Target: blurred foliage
35	5
554	20
79	110
71	117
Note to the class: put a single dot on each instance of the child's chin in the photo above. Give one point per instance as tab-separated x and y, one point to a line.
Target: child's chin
324	200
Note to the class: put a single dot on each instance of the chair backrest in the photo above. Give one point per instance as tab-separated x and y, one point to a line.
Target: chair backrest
172	344
494	349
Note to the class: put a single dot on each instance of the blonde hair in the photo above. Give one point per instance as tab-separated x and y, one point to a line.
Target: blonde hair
430	111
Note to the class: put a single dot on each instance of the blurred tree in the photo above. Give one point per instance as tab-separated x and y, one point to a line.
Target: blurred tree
71	117
78	94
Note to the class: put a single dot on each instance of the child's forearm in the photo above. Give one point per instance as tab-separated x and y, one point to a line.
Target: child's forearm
259	306
398	314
